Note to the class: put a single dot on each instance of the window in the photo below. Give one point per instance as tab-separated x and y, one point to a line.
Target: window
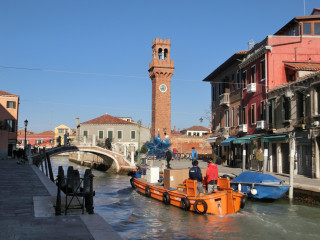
253	74
233	85
119	134
306	28
110	135
238	80
85	133
133	134
253	114
317	29
10	125
232	117
244	80
41	141
239	115
214	121
286	108
189	133
262	110
220	88
243	116
213	93
62	130
37	142
220	119
11	104
262	70
271	112
51	141
100	134
226	118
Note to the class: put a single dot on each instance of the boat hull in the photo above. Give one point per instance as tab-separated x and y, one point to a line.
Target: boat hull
222	202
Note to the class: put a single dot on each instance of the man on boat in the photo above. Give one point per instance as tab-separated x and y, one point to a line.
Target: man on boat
195	174
212	176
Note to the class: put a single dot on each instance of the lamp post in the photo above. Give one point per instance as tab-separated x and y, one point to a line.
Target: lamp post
25	133
138	161
201	119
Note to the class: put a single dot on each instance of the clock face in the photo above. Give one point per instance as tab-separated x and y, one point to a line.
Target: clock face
163	88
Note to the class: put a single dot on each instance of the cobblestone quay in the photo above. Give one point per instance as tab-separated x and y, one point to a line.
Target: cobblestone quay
26	210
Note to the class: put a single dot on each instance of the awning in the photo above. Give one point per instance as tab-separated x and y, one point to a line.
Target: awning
275	138
227	141
211	140
245	139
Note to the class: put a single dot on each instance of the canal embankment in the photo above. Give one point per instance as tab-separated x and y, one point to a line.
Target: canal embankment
27	209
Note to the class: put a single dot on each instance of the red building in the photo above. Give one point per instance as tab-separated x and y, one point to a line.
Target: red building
44	139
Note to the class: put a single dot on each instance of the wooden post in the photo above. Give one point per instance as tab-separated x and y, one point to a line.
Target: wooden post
58	201
45	160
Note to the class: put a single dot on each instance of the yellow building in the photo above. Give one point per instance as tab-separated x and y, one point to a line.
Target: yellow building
60	131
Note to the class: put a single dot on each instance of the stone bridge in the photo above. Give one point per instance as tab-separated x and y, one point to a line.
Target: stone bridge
110	158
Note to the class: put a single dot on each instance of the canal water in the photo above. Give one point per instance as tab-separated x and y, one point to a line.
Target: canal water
134	216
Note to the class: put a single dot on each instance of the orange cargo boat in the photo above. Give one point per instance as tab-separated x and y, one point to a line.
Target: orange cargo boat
221	202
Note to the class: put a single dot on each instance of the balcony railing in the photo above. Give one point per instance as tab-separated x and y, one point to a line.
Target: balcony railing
243	128
251	88
224	99
261	124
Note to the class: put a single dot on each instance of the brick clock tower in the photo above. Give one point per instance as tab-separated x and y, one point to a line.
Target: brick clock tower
160	71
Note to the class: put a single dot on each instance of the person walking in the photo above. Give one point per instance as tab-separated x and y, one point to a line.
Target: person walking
195	174
168	157
259	158
212	176
194	154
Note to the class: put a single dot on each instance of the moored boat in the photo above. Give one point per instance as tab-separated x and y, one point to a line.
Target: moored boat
221	202
260	186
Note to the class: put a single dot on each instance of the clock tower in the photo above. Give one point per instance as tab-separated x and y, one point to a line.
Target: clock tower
160	71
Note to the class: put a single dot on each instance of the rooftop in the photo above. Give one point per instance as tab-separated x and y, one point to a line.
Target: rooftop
107	119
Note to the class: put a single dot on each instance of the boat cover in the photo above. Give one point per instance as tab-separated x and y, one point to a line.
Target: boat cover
256	177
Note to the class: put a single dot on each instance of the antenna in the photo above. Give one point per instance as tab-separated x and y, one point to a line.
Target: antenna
250	44
304	7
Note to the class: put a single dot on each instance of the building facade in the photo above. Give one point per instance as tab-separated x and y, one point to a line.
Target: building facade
9	108
60	133
43	139
122	133
279	99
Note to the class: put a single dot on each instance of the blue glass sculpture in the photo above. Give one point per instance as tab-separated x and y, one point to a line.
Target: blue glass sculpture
157	147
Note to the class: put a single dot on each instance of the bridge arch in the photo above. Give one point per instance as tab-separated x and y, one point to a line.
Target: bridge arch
117	158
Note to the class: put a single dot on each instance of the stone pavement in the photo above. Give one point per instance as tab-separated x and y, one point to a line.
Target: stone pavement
26	210
299	181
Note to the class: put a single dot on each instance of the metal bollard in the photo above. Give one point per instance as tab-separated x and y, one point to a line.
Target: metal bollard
58	201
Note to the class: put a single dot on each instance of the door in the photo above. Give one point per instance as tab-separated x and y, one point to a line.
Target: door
274	157
305	160
285	158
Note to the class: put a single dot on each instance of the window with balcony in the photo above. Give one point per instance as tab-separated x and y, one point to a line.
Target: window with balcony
253	114
262	70
11	104
262	110
253	74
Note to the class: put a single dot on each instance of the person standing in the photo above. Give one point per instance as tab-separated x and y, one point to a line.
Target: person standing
259	157
195	174
194	154
168	157
212	176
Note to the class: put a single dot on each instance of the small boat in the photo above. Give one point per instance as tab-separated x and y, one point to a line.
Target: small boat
221	202
260	186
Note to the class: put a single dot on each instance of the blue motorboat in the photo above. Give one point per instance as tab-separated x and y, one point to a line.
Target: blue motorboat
260	186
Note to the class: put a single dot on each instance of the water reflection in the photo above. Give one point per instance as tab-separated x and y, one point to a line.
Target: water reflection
134	216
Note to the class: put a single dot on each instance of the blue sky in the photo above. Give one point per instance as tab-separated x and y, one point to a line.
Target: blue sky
75	58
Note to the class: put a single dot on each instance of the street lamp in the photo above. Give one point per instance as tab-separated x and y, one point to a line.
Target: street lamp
138	161
201	119
25	132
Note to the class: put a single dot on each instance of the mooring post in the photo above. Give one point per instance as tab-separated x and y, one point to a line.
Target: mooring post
58	201
50	167
90	203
